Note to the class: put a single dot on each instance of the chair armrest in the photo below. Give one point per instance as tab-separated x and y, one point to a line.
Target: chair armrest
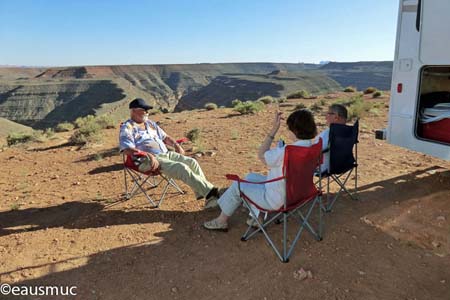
182	140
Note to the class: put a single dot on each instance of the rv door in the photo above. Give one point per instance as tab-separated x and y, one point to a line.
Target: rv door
434	32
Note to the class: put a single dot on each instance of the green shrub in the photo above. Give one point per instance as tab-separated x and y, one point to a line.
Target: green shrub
15	138
64	127
322	102
81	121
299	106
370	90
315	107
249	107
193	135
299	94
235	102
49	133
356	106
266	99
210	106
102	121
87	133
164	110
350	89
282	100
105	122
377	94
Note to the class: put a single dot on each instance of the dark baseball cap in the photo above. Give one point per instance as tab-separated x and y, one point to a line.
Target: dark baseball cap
139	103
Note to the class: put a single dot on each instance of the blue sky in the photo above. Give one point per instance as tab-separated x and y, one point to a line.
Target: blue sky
106	32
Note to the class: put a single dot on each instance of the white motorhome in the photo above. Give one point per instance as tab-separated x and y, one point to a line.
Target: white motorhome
419	114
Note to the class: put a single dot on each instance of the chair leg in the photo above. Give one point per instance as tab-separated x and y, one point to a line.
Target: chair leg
263	230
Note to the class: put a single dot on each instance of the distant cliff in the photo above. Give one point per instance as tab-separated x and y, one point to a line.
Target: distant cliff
43	97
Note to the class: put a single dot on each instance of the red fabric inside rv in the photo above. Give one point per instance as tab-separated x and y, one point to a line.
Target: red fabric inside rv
438	131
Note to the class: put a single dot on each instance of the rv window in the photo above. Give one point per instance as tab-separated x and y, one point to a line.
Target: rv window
433	114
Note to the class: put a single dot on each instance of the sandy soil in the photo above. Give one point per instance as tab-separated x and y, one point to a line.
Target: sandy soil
62	223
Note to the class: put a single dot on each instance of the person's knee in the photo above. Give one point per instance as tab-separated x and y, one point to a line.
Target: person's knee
192	162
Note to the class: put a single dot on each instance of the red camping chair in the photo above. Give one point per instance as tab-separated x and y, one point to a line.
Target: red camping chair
301	192
142	182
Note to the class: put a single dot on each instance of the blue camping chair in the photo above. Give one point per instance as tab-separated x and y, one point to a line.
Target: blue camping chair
343	155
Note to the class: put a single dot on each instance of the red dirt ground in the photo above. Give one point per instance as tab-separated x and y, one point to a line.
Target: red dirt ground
62	223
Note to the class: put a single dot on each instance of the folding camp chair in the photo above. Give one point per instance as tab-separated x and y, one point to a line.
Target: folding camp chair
299	166
342	140
142	180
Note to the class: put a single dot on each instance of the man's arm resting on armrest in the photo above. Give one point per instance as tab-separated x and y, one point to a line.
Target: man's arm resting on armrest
172	142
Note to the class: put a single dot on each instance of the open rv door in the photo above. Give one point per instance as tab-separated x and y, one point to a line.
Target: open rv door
419	113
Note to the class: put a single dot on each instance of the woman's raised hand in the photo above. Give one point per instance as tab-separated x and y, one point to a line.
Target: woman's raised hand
276	122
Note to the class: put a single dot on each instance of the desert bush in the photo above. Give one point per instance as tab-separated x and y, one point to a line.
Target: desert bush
282	100
164	110
356	106
249	107
64	127
266	99
377	94
210	106
350	89
89	132
322	102
235	102
299	106
370	90
48	133
102	121
105	122
193	135
81	121
15	138
299	94
315	107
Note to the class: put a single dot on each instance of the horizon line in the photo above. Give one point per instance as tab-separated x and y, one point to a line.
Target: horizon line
172	64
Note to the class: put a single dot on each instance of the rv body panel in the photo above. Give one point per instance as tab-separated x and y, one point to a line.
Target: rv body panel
408	67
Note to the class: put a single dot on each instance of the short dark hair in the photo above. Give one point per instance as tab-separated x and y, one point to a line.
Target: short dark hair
340	110
301	123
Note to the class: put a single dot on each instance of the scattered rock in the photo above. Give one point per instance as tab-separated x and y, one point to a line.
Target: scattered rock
301	274
174	289
440	218
361	273
210	153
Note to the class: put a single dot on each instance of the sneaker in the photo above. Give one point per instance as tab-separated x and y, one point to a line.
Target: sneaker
216	225
211	202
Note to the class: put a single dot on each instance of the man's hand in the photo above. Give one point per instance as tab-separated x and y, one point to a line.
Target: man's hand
179	149
153	161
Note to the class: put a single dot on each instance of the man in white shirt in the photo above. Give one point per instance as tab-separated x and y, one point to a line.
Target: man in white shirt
141	134
337	114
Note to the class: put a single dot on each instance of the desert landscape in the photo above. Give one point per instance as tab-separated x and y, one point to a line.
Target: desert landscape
64	221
